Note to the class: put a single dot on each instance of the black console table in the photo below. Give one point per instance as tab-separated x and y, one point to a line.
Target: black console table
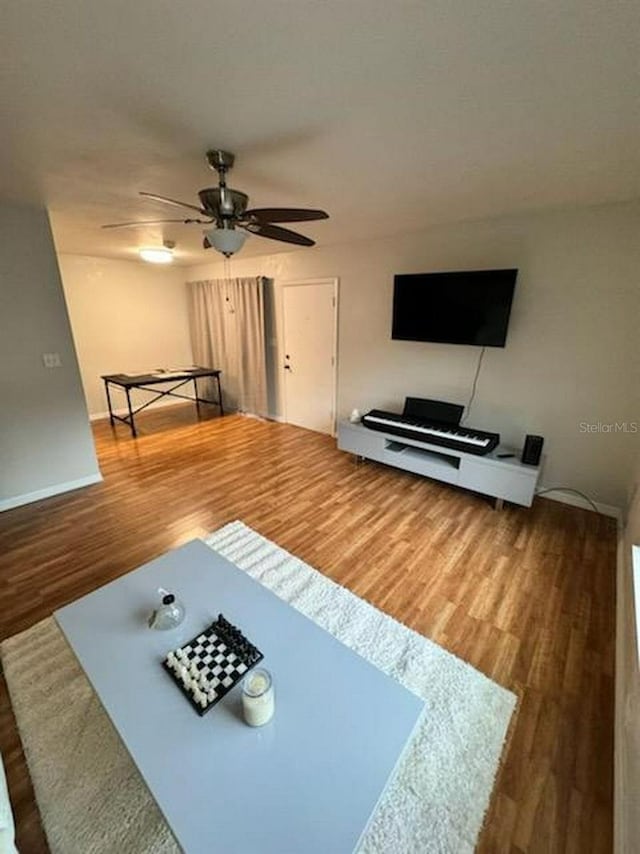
127	382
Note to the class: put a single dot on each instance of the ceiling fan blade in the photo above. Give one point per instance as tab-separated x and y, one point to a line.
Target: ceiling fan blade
173	202
285	214
152	222
274	232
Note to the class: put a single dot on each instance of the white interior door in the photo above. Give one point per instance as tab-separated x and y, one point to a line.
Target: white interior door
309	326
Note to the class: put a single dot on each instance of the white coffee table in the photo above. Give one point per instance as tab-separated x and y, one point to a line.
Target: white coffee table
307	782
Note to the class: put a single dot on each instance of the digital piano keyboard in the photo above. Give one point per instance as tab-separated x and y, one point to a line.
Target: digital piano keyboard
432	431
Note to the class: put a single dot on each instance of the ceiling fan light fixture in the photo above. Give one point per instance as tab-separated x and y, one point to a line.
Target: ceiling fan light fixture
226	240
156	254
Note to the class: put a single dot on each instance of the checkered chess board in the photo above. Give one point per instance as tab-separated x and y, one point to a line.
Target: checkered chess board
210	665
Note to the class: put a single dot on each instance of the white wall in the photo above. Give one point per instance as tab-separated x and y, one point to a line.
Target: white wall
45	441
127	316
571	354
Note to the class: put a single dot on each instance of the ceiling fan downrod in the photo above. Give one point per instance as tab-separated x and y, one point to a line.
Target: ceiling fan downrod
221	161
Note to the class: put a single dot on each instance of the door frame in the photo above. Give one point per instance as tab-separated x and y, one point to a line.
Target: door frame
295	283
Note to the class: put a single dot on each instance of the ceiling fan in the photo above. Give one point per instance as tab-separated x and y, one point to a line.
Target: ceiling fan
226	210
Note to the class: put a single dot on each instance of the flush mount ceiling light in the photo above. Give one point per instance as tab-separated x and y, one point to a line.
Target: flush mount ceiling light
158	254
225	240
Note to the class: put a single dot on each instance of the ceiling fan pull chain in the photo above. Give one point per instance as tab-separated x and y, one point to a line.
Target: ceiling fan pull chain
227	278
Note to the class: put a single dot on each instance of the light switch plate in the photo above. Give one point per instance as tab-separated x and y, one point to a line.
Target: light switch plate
51	360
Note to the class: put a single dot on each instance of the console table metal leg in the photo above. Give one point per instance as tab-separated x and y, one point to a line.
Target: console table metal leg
195	394
219	394
106	388
131	421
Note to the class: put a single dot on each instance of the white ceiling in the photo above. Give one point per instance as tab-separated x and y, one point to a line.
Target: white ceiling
390	115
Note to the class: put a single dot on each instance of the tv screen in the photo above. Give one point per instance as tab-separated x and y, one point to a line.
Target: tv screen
470	307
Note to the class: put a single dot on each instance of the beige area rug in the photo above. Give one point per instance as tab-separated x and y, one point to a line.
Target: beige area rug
93	801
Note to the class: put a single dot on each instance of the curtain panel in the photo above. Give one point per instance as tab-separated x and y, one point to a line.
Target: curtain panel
227	325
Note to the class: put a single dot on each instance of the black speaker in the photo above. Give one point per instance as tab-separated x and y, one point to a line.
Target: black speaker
532	450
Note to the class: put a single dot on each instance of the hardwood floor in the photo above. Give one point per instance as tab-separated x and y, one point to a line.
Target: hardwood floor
525	596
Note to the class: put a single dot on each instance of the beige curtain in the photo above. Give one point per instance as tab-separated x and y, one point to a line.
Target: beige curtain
228	332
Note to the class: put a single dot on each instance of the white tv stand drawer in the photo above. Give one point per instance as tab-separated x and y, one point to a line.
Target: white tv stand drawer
506	479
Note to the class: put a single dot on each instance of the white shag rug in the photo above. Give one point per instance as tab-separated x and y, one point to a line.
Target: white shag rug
93	801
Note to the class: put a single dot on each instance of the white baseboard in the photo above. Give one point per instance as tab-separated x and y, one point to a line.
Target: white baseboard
576	501
261	417
99	416
48	492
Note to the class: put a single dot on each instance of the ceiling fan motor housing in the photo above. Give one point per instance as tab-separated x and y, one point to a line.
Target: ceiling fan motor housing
223	203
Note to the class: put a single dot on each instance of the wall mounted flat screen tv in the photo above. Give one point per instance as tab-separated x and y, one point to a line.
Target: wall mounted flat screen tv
470	307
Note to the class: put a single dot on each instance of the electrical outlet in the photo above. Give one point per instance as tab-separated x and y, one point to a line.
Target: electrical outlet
51	360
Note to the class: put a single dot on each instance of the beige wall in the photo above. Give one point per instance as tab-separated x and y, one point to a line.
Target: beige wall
627	766
570	357
45	441
126	316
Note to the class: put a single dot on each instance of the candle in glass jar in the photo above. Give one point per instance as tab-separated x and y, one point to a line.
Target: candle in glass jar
258	702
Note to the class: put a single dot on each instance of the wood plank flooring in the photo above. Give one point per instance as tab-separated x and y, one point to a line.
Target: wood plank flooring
525	596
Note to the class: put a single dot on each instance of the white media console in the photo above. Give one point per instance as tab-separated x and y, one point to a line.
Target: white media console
503	479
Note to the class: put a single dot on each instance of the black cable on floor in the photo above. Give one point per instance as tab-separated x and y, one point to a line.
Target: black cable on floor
569	489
